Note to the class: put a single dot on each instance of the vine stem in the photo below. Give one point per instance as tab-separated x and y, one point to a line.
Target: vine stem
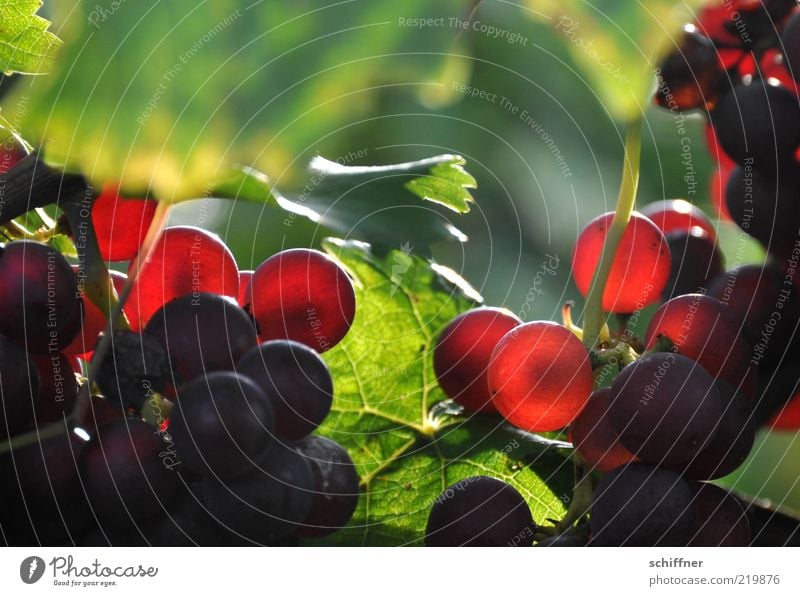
593	317
151	238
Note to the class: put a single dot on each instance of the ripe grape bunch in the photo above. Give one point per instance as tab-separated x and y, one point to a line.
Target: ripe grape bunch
198	426
654	418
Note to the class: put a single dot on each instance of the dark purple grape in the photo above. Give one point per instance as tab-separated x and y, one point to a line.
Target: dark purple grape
758	124
765	307
221	423
719	519
565	540
480	511
296	381
202	333
665	408
40	488
766	208
134	367
335	486
639	505
128	471
41	306
732	440
690	75
696	260
595	439
58	388
19	387
265	506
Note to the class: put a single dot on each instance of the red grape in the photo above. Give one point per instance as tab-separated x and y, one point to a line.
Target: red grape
540	376
302	295
12	150
185	260
594	437
94	321
244	286
701	329
641	264
120	223
788	418
461	356
678	215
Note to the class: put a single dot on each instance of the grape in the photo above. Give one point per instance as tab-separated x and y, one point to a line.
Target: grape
202	333
480	511
94	321
43	502
696	260
777	387
134	367
594	437
566	540
461	355
756	297
244	286
678	215
184	260
128	474
302	295
702	329
296	381
766	209
665	408
690	75
335	486
790	37
540	376
758	124
732	440
12	150
719	519
120	223
641	264
717	186
267	505
788	417
222	423
58	388
19	387
639	505
39	294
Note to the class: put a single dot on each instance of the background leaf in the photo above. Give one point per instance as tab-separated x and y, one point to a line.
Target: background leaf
388	410
173	94
617	45
26	45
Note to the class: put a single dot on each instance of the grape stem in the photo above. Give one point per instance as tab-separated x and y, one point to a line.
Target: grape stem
593	317
581	499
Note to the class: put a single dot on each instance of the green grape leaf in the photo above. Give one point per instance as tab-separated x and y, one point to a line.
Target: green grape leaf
617	45
26	44
388	411
173	95
378	204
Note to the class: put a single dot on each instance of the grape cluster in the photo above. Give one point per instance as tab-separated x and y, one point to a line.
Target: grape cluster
653	418
198	428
